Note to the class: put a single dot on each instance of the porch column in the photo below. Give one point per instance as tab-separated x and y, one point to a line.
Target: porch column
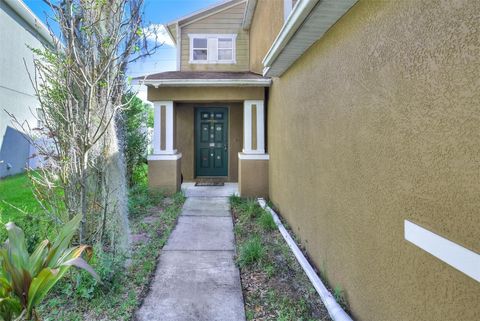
253	161
164	164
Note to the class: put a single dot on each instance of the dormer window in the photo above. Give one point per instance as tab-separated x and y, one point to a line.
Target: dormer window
212	49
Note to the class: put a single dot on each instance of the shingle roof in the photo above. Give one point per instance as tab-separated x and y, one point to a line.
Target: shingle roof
197	75
203	79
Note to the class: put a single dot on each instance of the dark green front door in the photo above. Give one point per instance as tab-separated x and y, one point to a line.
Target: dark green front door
211	141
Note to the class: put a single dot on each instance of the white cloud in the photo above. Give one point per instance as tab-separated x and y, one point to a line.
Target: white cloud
158	33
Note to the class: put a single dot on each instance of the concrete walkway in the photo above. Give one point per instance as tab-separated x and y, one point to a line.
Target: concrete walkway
196	277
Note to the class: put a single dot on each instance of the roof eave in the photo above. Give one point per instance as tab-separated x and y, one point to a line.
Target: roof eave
205	11
248	15
290	43
174	39
31	19
207	82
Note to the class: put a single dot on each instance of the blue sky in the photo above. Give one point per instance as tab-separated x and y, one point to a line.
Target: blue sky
156	12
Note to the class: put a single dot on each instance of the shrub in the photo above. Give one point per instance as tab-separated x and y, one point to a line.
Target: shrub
135	121
106	264
266	221
250	252
25	279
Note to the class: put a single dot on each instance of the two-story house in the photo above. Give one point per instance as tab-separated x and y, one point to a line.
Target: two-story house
210	113
19	30
359	120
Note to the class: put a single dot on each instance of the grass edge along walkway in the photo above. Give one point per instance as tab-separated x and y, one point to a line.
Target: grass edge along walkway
152	221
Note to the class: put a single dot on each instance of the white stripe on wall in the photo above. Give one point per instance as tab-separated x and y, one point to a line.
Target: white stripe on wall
457	256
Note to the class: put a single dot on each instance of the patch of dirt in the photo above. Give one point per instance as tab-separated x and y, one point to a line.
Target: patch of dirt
276	287
150	219
140	238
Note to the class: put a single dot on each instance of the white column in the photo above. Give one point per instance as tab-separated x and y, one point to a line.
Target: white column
169	128
156	128
159	132
248	127
260	128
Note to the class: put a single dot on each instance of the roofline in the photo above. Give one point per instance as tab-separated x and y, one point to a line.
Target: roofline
293	23
206	82
306	24
170	34
30	18
205	10
248	16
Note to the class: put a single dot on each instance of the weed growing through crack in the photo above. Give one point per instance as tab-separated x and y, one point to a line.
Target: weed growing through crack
339	296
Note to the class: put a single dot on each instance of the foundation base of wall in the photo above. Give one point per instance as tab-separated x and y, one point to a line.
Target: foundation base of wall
253	175
164	172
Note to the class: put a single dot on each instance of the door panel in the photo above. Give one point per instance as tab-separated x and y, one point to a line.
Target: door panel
211	141
219	133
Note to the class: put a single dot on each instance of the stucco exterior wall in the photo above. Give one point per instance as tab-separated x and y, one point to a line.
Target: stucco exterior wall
267	21
16	91
165	175
228	21
185	136
376	123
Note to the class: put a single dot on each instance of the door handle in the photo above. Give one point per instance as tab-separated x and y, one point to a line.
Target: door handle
225	147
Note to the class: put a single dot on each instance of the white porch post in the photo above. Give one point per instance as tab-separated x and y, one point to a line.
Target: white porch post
163	128
253	162
164	165
253	127
156	128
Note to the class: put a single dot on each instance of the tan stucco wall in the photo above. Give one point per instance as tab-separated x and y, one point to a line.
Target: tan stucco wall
228	21
164	175
204	94
185	123
377	123
267	22
253	178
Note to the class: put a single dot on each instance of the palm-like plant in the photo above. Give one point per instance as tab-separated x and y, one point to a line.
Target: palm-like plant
25	279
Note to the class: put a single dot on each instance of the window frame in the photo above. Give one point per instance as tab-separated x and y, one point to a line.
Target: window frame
212	48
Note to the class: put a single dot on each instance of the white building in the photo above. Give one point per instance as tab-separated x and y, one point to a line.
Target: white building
19	28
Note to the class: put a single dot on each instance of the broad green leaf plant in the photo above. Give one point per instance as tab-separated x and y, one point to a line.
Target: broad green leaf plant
25	279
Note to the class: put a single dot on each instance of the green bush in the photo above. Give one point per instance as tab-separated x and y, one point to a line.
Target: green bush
107	265
26	278
266	221
135	118
250	252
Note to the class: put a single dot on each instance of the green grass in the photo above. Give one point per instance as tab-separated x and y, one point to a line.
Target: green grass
266	221
249	209
18	205
17	191
251	251
275	286
123	288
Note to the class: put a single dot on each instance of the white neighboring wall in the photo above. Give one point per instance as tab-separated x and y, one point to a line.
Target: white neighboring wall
18	28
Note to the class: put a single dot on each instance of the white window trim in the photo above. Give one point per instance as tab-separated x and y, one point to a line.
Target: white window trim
210	59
